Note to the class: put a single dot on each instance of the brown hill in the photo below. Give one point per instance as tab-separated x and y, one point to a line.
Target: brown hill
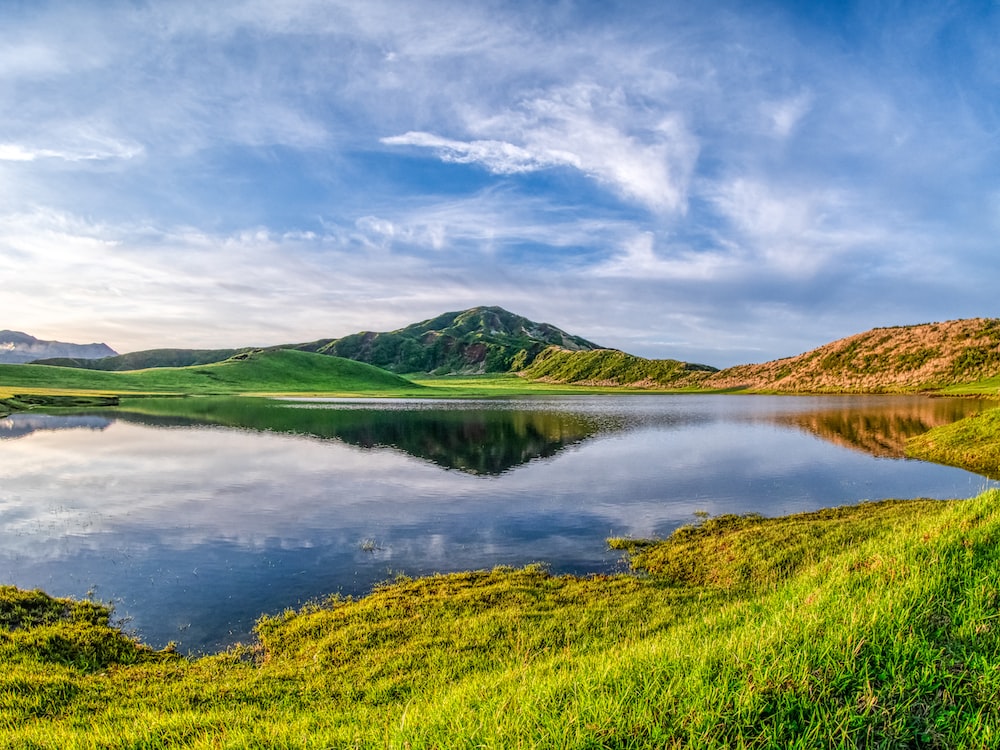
884	360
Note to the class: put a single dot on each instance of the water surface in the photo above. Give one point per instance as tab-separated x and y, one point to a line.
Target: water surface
194	516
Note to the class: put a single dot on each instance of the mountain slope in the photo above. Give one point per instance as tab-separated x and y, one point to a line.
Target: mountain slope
610	367
17	347
145	359
250	372
478	340
884	360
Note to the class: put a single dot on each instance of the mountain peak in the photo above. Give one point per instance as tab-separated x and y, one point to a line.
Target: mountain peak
478	340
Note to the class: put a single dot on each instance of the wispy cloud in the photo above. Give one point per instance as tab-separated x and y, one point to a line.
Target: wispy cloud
102	150
498	157
582	127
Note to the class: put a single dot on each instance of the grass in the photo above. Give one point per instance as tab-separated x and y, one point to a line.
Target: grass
972	443
875	626
510	385
612	367
285	371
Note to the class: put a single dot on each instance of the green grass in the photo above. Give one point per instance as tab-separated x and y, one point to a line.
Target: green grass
972	443
985	387
509	385
874	626
612	367
283	371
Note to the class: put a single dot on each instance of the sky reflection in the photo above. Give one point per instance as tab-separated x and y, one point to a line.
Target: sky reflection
194	531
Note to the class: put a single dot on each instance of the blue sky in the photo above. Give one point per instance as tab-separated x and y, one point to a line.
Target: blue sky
716	182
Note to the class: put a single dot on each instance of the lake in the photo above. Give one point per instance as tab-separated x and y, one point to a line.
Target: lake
195	516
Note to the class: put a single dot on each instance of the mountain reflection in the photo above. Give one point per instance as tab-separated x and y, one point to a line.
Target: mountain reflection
22	425
489	438
469	438
882	427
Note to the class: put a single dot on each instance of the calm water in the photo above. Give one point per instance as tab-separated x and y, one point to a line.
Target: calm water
197	515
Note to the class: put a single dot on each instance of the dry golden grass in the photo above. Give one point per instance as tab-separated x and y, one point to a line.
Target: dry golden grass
898	359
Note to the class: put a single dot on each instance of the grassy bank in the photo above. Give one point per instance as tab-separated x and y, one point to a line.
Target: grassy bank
972	443
876	625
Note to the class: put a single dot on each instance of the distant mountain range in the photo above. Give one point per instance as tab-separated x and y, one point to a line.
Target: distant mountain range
17	348
492	340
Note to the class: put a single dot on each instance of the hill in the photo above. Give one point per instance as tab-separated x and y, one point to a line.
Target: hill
17	348
899	359
257	371
478	340
610	367
143	360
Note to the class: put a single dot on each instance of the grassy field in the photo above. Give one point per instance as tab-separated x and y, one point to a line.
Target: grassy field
275	372
871	626
284	372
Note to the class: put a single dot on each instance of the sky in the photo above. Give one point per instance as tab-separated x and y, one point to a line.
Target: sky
718	182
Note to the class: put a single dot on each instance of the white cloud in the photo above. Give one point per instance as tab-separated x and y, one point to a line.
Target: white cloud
639	260
498	157
783	116
15	152
585	127
98	149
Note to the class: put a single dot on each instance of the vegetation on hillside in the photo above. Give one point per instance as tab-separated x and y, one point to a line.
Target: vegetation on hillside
867	626
479	340
610	367
900	359
959	354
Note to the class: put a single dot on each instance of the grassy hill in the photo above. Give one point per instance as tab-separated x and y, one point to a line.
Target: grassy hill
914	358
959	356
250	372
146	359
610	367
869	626
479	340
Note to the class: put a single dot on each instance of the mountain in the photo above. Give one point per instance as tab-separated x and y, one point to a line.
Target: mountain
884	360
479	340
18	348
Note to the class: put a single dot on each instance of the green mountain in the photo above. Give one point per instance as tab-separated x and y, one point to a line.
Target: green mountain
610	367
479	340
